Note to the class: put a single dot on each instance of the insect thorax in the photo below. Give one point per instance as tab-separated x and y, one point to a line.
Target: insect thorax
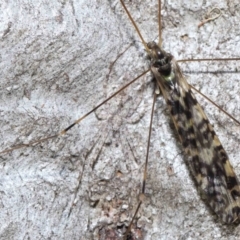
161	65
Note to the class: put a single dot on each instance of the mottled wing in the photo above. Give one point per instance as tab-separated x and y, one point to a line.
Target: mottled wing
207	159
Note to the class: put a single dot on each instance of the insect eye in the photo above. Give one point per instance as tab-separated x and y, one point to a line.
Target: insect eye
160	55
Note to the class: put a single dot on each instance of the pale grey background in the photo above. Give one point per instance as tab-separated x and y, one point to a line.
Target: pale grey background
55	61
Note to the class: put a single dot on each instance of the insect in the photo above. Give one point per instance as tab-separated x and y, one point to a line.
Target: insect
108	160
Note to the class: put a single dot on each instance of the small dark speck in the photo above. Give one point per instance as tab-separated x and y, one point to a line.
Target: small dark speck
184	37
7	30
59	18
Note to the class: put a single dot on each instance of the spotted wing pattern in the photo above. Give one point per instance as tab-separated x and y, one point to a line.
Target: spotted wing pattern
206	156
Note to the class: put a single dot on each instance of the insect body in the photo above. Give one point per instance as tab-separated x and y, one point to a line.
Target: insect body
68	181
207	159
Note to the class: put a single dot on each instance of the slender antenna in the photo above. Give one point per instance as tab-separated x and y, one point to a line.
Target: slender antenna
134	24
159	24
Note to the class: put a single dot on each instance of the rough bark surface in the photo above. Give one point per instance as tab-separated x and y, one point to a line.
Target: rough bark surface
59	59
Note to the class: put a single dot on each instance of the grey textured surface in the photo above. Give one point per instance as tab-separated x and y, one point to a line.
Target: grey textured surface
55	62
